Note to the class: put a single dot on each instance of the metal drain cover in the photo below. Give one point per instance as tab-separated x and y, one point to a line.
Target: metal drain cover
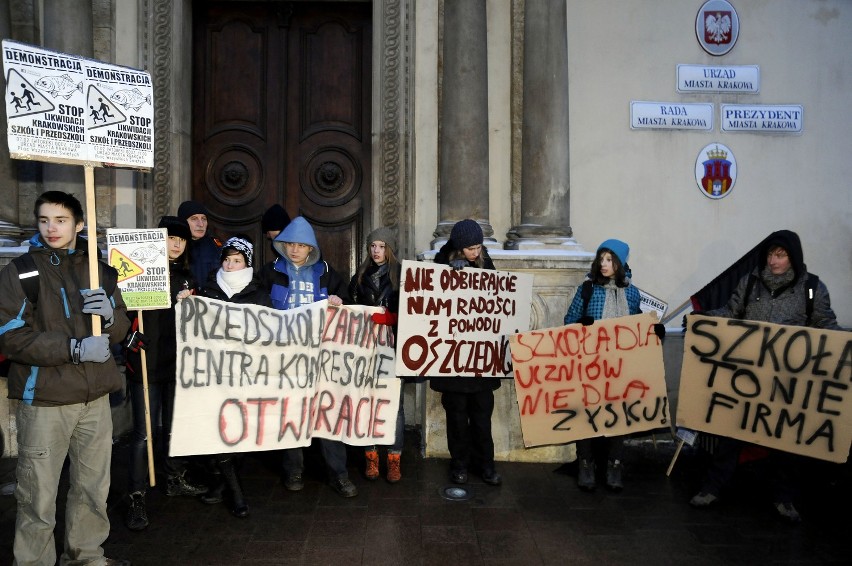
455	492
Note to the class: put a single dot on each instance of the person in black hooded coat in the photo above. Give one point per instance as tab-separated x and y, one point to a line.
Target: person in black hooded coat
468	401
775	291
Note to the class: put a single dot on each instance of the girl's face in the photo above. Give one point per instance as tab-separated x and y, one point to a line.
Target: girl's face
607	266
234	262
298	253
472	252
377	252
177	246
57	226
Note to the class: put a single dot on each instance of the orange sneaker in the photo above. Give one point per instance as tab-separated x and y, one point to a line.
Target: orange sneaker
394	473
372	457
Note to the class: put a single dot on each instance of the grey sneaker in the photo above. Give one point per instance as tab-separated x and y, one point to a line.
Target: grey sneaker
344	487
178	485
788	512
137	516
703	499
613	475
586	475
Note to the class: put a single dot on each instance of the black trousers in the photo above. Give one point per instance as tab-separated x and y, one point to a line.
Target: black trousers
469	428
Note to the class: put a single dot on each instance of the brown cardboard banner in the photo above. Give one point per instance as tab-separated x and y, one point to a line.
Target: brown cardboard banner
575	382
783	387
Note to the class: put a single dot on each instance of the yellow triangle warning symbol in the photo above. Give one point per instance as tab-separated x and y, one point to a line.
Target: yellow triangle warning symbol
23	98
102	112
126	267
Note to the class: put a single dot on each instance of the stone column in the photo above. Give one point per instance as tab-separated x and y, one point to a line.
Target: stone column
67	28
545	164
463	142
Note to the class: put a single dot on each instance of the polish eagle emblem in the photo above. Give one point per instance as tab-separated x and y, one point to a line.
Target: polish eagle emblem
717	27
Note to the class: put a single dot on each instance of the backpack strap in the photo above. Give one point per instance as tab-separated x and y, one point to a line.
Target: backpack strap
586	294
28	275
813	282
749	288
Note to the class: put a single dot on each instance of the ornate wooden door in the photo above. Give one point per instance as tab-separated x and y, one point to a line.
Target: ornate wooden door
281	113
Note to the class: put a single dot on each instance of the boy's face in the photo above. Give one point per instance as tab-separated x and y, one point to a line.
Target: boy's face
298	253
57	226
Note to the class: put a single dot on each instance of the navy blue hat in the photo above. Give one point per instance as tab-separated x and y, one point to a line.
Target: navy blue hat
176	226
191	208
275	218
466	233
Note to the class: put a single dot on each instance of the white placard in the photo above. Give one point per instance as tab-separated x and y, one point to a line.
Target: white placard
141	259
68	109
457	322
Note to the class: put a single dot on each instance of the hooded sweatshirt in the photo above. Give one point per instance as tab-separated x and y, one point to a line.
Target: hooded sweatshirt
291	286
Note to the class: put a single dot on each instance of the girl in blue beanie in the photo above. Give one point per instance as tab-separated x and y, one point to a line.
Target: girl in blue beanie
612	296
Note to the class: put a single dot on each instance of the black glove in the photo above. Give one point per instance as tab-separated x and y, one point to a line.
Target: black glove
660	331
91	349
136	341
586	320
458	263
95	301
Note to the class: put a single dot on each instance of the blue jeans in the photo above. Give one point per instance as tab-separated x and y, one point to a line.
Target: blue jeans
46	435
333	452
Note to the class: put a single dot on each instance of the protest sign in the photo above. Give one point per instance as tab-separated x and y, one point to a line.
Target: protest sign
68	109
457	322
575	382
253	378
141	259
783	387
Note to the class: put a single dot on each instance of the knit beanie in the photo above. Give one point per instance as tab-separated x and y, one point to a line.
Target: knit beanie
619	248
176	226
242	245
466	233
191	208
275	218
382	234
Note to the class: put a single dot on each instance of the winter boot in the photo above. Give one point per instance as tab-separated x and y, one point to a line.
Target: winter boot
215	493
586	475
372	458
239	507
177	484
394	473
137	516
613	475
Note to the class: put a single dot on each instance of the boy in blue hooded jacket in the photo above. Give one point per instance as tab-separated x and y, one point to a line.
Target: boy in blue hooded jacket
300	277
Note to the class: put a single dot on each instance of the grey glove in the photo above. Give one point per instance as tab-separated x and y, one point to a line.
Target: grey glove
95	301
458	263
91	349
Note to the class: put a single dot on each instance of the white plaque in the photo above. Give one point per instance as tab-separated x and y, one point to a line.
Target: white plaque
671	116
776	119
743	79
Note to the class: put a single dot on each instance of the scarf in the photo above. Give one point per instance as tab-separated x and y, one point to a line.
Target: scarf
232	282
615	301
776	282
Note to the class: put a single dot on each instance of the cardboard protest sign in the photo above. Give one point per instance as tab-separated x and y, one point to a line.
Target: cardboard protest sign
252	378
142	261
68	109
783	387
575	382
457	322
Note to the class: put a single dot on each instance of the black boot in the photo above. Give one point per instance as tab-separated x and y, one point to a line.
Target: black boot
239	507
215	494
